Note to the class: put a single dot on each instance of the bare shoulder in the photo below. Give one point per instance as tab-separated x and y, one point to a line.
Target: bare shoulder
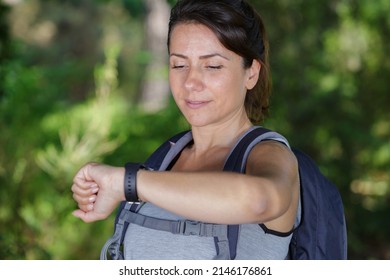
270	156
276	163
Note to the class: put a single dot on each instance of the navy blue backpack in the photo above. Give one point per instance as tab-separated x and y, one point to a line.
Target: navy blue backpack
321	234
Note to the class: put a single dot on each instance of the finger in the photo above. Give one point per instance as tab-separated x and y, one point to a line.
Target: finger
83	177
85	191
83	184
86	207
83	200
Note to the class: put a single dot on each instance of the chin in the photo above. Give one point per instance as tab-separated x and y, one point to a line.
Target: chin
198	122
199	119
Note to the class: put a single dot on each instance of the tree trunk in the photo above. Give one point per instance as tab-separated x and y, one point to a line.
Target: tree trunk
155	90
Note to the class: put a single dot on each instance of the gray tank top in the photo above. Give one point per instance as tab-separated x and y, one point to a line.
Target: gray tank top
254	241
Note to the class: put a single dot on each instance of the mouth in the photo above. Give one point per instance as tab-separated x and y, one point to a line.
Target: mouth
196	104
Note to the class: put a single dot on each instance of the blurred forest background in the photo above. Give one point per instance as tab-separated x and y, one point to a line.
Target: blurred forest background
84	80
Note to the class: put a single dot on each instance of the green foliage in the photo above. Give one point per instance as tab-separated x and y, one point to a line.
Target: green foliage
35	208
85	130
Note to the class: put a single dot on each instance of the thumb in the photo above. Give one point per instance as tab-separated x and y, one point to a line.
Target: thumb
87	217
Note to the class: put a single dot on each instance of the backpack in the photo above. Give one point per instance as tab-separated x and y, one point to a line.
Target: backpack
321	233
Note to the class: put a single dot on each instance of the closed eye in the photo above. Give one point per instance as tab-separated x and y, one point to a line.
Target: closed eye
177	66
215	67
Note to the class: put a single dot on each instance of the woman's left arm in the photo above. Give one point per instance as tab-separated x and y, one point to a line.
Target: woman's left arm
264	193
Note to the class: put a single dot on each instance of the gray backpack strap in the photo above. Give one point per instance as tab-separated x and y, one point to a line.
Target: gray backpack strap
182	227
267	135
114	243
175	149
222	246
187	227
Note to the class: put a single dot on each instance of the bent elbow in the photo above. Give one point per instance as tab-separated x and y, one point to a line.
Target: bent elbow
266	206
258	208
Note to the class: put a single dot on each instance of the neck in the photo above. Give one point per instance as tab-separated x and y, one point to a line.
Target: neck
222	135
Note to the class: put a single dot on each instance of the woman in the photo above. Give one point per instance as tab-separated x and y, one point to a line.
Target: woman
219	77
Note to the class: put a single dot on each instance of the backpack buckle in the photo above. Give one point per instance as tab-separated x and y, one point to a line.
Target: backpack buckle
190	228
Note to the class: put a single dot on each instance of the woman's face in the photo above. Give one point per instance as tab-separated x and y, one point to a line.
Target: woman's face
208	81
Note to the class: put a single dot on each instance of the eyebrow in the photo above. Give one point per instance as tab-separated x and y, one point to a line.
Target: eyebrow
201	57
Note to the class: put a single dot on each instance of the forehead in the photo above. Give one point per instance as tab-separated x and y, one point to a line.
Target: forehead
194	35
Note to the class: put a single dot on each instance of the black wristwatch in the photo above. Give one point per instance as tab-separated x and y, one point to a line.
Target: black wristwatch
130	183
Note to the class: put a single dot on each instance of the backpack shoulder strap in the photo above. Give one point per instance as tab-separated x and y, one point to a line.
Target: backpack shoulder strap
170	147
236	162
238	156
163	155
158	160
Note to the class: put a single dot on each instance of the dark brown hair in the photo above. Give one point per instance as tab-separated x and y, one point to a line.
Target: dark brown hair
240	29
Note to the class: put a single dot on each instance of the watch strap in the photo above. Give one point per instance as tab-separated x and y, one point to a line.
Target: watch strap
130	182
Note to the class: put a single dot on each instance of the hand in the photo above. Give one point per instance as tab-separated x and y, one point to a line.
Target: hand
97	189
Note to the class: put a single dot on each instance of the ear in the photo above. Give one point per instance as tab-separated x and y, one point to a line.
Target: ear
253	74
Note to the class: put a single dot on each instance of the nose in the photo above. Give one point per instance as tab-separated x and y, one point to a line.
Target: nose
194	80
